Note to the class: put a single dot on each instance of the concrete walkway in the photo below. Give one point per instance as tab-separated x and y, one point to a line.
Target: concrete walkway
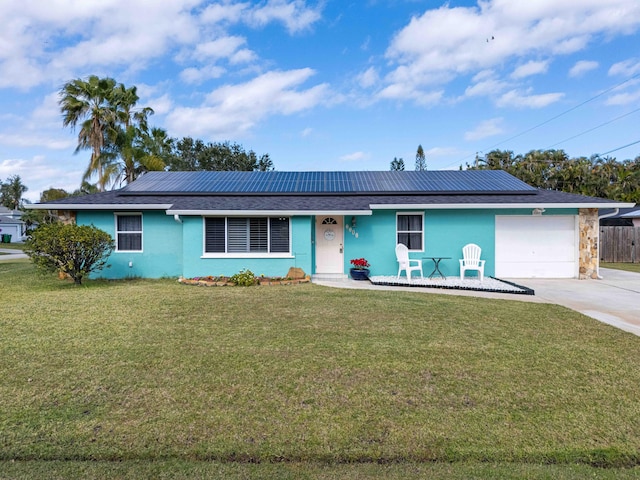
11	254
614	300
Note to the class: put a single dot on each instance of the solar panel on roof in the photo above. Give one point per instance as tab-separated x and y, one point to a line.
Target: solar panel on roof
438	181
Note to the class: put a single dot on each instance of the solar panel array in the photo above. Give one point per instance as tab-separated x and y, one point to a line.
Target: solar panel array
436	181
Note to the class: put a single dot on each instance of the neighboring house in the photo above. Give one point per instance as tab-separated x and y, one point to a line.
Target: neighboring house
170	224
10	224
625	217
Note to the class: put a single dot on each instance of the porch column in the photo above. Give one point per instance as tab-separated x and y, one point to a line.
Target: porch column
588	226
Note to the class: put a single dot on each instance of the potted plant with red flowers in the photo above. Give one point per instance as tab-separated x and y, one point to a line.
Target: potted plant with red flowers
360	269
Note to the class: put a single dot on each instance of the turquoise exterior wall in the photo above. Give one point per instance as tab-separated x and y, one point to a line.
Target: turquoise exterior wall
173	249
196	266
161	246
445	233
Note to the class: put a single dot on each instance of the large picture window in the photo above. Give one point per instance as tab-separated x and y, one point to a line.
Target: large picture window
129	232
410	230
246	235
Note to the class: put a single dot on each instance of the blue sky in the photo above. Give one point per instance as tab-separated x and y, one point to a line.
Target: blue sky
328	85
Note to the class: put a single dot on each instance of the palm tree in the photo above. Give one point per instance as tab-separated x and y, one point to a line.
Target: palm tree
11	192
90	104
140	151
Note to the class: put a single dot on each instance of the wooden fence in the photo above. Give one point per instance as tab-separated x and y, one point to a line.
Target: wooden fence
620	244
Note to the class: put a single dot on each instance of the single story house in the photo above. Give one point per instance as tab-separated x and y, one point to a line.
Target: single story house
171	224
10	224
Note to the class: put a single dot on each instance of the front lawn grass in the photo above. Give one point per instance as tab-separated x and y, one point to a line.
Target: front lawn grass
307	382
628	267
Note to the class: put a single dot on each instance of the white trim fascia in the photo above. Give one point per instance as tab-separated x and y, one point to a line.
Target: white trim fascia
100	206
496	206
271	213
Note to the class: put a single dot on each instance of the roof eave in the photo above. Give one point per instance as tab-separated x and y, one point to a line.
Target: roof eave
99	206
501	206
288	213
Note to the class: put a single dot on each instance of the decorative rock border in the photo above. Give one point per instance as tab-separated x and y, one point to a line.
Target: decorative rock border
211	281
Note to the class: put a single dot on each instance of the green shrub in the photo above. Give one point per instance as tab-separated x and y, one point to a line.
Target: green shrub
75	250
244	278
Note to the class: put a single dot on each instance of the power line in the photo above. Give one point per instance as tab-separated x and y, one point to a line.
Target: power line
555	117
619	148
592	129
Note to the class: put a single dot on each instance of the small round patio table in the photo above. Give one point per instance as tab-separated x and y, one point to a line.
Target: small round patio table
436	266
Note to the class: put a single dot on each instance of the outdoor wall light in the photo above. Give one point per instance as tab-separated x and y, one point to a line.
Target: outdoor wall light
537	211
352	228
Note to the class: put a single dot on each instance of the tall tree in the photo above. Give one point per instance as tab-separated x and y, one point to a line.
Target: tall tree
90	103
397	164
11	192
421	160
111	126
190	155
554	170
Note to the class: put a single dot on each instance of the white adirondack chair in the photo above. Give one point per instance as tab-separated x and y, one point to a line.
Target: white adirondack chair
471	260
405	263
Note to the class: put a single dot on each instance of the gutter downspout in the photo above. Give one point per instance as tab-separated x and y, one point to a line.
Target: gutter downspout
177	218
600	217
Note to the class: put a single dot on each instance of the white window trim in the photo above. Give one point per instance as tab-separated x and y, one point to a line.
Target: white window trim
129	214
206	254
247	255
409	231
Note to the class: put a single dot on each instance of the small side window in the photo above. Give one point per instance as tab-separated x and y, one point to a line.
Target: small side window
410	230
129	233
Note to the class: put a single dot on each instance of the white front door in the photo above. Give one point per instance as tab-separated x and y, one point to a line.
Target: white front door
329	245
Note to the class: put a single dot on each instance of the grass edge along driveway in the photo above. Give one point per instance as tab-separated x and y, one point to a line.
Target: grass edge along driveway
307	378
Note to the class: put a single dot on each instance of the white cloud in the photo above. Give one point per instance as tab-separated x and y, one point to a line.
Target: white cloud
62	39
486	87
485	129
306	132
449	42
368	78
355	157
407	92
232	110
196	76
39	173
624	99
32	139
161	105
295	15
628	68
530	68
582	67
517	99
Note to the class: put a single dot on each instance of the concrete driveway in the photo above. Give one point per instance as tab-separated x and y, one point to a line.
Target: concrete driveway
614	300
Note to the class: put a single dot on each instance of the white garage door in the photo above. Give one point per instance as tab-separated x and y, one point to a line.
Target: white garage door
536	247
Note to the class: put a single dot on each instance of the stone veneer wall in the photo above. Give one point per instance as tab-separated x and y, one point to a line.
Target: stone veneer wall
588	225
67	216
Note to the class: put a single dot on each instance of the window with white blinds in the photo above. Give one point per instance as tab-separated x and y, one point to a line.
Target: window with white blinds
246	235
